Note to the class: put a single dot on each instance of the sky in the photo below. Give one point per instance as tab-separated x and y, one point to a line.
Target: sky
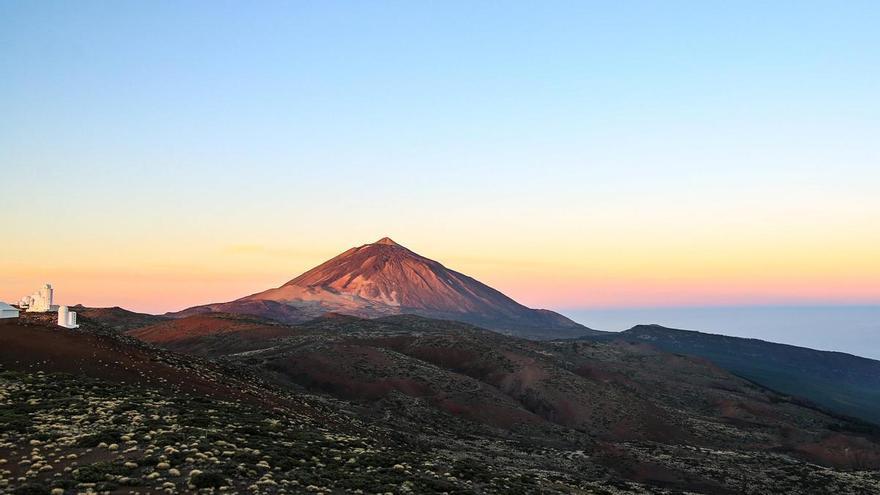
575	155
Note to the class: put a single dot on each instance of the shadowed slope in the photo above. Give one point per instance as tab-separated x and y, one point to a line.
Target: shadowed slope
117	318
272	310
841	382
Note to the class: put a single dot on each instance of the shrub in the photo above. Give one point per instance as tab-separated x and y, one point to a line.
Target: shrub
11	421
31	489
97	472
208	480
92	441
63	483
170	438
107	486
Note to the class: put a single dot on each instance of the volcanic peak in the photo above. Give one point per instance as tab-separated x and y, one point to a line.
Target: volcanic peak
385	278
387	242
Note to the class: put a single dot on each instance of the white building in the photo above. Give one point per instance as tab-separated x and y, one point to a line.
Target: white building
66	318
40	301
7	311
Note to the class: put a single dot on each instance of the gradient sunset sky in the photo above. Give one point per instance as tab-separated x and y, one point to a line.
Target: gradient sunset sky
157	155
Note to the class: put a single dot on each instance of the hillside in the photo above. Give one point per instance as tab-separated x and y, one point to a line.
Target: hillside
212	334
89	410
840	382
385	278
117	318
643	415
266	309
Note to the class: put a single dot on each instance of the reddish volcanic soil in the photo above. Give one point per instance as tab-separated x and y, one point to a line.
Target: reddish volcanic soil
617	392
30	343
366	372
842	451
607	410
202	325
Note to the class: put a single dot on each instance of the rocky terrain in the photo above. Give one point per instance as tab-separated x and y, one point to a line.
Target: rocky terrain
582	416
397	405
90	411
385	278
837	381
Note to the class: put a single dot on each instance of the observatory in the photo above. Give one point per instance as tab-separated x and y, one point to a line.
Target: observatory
40	301
66	318
7	311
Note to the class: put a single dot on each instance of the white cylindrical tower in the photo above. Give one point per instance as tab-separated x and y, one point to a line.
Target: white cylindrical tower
62	317
48	294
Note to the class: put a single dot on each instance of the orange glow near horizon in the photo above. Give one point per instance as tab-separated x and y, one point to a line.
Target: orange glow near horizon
596	276
635	252
158	293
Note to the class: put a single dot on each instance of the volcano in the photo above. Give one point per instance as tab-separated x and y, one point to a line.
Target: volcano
385	278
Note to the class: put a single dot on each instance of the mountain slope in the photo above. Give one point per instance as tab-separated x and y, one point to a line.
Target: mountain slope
90	410
385	278
840	382
117	318
645	414
201	334
272	310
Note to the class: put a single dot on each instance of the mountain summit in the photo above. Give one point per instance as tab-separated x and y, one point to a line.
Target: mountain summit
387	241
385	278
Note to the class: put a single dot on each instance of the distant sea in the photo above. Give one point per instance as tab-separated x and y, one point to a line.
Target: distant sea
850	329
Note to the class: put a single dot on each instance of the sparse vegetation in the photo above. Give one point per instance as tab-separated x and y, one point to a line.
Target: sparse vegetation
440	423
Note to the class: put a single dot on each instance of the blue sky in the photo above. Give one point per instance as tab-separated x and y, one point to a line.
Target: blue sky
570	153
359	84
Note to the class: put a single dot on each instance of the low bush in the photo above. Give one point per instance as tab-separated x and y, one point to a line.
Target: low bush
208	480
31	489
98	472
93	440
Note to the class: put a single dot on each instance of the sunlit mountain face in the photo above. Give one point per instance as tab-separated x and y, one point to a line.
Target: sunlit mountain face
384	278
